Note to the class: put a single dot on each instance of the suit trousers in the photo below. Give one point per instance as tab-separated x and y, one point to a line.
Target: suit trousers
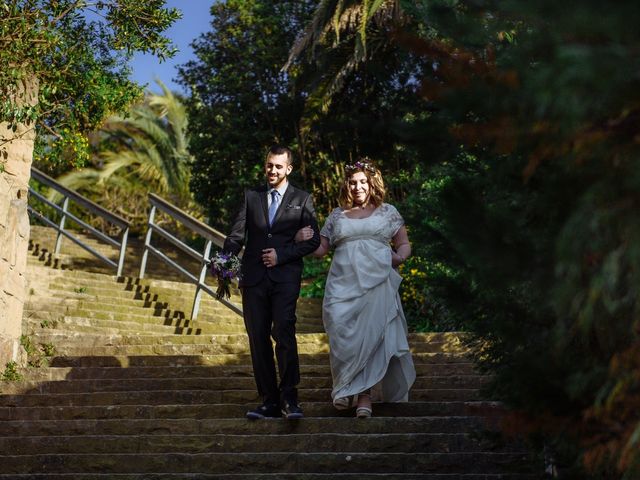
270	312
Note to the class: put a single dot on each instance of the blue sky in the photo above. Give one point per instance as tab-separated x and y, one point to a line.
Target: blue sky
195	20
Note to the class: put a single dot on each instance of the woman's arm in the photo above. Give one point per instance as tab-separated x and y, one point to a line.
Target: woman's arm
401	245
322	249
305	233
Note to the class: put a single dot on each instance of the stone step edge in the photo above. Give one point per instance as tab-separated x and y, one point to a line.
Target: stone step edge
413	338
211	360
467	403
476	444
272	476
246	369
33	390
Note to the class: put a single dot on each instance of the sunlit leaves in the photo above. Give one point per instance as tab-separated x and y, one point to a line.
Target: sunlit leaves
67	46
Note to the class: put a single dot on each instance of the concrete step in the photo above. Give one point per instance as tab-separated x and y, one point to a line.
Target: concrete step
53	308
319	352
49	317
124	361
120	296
111	304
228	322
42	243
136	388
326	442
74	301
70	319
69	373
96	308
240	425
123	327
215	383
273	476
111	296
68	280
273	462
237	410
200	396
419	343
78	304
115	297
204	354
427	342
83	344
120	327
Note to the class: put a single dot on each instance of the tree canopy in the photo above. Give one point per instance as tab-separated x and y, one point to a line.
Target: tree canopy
508	133
76	52
145	150
242	100
538	218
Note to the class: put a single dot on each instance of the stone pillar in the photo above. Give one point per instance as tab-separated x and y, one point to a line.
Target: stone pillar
16	154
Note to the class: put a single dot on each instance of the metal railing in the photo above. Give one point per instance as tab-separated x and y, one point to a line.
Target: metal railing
211	236
68	196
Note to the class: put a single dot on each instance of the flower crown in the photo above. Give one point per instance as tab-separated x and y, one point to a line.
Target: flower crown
360	165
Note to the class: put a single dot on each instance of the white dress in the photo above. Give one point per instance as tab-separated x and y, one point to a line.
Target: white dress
361	311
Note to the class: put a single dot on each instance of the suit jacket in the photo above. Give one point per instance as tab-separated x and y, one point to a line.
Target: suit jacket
251	229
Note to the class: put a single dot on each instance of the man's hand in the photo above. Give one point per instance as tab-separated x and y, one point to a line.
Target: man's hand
304	234
269	257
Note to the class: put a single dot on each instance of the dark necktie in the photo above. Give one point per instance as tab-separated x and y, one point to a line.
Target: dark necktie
273	208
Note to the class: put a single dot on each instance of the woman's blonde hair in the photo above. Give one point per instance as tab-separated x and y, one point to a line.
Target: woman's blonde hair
377	191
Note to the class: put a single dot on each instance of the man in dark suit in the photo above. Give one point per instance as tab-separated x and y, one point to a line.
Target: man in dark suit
267	221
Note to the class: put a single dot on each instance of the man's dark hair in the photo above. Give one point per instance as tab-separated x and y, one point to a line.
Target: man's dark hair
279	150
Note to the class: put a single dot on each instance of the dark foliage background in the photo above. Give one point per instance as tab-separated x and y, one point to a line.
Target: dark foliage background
508	135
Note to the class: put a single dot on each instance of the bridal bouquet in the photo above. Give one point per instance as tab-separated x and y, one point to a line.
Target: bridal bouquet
226	267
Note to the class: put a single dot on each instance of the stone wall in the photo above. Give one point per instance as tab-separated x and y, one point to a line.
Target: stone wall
16	153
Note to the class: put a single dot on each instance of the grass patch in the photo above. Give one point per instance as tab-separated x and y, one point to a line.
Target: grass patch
37	355
10	373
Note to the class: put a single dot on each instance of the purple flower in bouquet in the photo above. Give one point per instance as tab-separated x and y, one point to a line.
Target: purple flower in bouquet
225	267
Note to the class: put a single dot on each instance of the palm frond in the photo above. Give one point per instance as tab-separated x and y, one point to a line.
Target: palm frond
113	163
337	17
76	180
171	108
315	30
151	149
342	16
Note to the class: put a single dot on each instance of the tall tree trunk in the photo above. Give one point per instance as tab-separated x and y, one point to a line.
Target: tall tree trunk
16	153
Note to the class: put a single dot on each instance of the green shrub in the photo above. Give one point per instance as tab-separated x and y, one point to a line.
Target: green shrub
314	276
11	373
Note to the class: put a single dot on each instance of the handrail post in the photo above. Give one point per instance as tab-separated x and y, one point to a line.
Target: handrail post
65	207
147	241
123	251
203	273
211	237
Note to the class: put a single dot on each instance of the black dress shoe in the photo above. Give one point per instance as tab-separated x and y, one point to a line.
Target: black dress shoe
292	410
267	410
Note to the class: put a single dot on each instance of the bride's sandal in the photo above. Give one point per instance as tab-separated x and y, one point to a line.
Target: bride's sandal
344	403
364	406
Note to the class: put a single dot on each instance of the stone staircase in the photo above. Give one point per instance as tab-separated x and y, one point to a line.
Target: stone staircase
128	387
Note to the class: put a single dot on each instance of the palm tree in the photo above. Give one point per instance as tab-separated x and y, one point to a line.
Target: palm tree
147	149
344	28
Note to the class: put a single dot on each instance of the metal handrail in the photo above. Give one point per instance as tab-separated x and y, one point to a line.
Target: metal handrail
69	195
211	235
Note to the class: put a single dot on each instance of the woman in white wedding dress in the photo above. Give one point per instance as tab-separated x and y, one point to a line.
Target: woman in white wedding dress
362	313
